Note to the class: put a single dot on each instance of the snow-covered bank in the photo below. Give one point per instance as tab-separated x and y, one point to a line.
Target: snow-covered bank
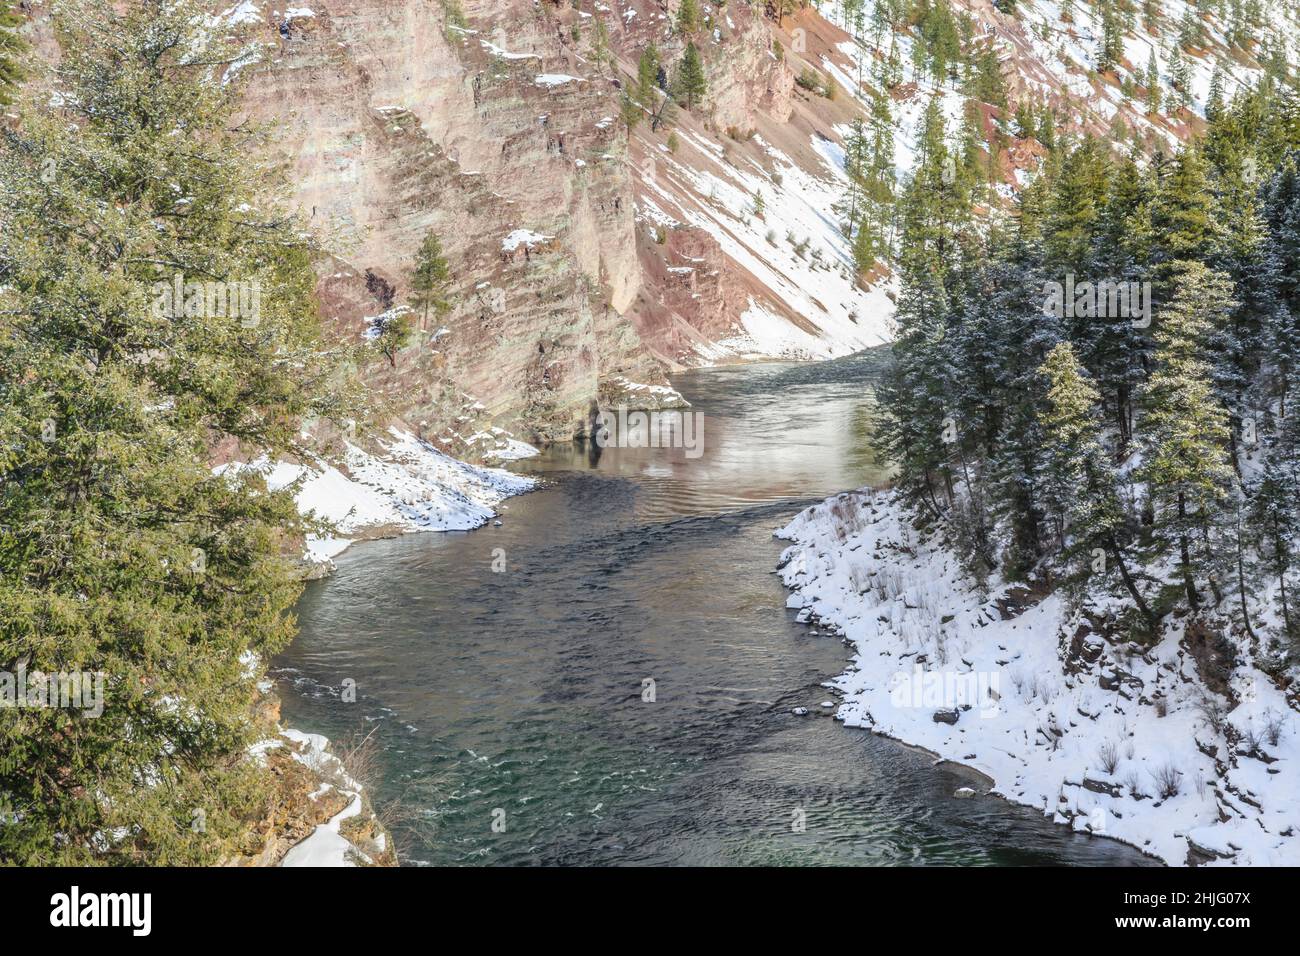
1111	739
408	485
348	832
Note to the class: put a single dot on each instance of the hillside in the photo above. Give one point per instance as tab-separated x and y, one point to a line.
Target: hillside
585	259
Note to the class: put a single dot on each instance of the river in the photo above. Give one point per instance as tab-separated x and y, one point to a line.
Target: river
505	672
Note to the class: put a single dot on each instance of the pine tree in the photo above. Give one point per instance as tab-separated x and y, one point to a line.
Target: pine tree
629	111
1185	218
1047	128
989	85
1190	30
1074	217
1082	485
1111	46
1180	74
648	93
856	163
1274	516
1280	209
391	332
1185	430
647	75
122	553
1025	120
688	17
1154	97
914	426
12	47
600	52
1214	99
430	279
880	170
690	86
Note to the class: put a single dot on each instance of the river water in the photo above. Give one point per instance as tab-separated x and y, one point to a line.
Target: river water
504	673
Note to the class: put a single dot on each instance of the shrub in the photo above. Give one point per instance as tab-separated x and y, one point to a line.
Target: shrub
1167	780
1108	756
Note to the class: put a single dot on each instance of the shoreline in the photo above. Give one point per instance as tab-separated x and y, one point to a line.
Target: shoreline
1062	702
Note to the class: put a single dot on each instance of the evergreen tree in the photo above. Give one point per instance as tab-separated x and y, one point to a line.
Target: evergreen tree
1074	216
629	111
1185	218
1214	99
391	332
856	162
989	85
916	427
1154	97
688	17
430	278
12	47
600	52
1274	515
1186	431
1047	128
647	75
1280	209
122	553
690	86
1110	49
1081	483
1180	74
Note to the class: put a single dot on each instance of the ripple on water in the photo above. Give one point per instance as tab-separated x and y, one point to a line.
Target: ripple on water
517	698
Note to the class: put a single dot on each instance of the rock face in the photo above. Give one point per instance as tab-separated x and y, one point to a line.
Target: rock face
585	255
393	122
492	124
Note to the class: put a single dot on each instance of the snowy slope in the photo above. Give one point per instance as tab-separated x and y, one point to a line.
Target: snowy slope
806	302
408	485
700	189
1087	734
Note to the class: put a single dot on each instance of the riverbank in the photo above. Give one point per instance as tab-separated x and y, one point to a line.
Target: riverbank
322	815
402	484
1104	737
318	810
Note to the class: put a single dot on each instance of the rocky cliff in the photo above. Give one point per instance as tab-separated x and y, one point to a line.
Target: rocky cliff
588	259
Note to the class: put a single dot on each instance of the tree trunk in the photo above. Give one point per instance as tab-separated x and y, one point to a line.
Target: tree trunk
1241	582
1129	584
1185	558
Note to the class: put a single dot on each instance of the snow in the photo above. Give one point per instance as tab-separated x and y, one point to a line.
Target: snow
506	54
409	485
555	79
926	640
513	450
522	237
813	281
325	846
664	394
241	13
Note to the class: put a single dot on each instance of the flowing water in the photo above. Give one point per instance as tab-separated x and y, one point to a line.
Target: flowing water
508	705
